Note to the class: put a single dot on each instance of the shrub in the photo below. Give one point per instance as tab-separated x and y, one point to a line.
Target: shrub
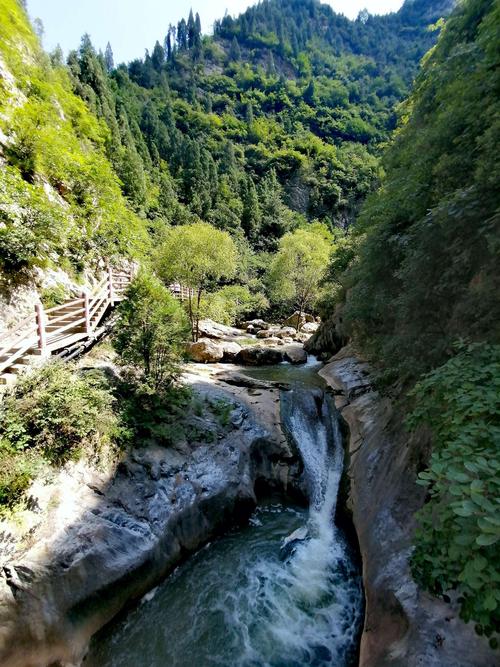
47	418
231	304
150	330
457	544
55	411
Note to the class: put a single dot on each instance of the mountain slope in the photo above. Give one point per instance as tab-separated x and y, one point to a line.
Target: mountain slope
61	203
275	120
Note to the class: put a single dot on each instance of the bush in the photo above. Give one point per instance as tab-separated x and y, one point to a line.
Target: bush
48	417
150	331
457	544
233	303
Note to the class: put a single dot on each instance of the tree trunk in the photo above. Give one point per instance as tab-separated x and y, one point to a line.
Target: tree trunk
198	313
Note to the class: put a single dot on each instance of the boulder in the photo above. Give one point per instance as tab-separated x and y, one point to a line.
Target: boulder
273	340
309	327
211	329
259	356
231	350
256	324
286	332
298	319
266	333
206	350
295	354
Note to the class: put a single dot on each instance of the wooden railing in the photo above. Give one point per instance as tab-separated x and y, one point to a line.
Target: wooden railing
53	328
180	291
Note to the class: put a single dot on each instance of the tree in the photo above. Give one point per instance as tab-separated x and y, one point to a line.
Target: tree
298	268
158	56
150	330
197	256
108	58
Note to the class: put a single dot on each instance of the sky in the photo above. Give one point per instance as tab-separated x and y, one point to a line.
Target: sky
131	26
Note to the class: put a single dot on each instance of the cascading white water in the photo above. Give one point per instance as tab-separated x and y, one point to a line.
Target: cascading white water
236	603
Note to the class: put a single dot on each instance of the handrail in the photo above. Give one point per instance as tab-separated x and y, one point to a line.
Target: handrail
45	328
8	332
66	304
64	316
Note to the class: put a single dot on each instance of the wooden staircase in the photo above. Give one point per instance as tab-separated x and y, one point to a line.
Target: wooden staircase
51	332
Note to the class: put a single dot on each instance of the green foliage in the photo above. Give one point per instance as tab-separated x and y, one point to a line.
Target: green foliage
51	415
154	414
150	330
427	272
298	267
51	138
197	256
457	544
54	295
232	304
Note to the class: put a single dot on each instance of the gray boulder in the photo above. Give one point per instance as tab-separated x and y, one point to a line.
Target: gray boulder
259	356
231	350
295	354
309	327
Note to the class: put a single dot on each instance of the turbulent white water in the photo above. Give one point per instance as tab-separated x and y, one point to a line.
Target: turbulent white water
236	604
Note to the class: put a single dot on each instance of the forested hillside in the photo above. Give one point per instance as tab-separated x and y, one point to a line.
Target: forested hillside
275	120
60	200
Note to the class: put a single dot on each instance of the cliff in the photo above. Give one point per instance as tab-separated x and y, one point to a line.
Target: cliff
404	626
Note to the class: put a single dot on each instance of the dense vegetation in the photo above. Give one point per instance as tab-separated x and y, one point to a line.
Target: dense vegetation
420	295
48	137
274	121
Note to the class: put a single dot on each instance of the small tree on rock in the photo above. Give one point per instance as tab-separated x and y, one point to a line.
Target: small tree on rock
197	256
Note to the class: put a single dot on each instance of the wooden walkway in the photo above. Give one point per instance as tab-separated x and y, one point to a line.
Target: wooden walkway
48	332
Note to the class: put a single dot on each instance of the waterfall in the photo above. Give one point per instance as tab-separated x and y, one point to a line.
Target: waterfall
237	603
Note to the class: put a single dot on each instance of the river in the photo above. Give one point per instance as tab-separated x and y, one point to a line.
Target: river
243	601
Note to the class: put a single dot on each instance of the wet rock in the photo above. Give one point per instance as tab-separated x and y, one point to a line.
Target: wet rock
295	354
259	356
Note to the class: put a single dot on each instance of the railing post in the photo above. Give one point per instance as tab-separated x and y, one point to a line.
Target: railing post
40	328
86	309
111	292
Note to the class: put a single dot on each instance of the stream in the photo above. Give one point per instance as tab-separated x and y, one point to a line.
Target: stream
244	600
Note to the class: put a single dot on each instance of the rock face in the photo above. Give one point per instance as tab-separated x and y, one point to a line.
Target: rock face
104	539
404	626
326	340
259	356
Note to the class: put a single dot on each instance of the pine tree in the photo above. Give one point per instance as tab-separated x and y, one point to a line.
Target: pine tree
235	51
108	58
158	57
